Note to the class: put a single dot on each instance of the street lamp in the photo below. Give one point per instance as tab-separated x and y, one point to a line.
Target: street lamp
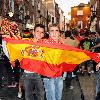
10	14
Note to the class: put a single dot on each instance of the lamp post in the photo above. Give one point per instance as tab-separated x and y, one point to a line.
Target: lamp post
10	16
64	23
47	21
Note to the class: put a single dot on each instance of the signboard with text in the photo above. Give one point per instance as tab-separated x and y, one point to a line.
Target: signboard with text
80	12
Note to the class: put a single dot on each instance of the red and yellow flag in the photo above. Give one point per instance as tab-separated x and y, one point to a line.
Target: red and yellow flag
47	58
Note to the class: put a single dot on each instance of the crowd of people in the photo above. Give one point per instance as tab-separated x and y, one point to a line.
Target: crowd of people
34	83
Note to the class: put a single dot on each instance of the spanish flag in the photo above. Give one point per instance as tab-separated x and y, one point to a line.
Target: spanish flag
46	57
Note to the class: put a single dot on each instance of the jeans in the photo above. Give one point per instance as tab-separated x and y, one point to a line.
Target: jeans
31	82
98	83
53	88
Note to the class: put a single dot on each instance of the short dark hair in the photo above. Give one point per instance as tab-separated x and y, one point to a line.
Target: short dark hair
67	33
92	33
39	25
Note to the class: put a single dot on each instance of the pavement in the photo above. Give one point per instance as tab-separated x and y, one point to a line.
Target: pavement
82	86
72	94
88	86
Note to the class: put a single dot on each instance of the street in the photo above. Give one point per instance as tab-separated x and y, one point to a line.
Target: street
86	86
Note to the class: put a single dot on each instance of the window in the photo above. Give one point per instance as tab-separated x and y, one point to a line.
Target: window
80	24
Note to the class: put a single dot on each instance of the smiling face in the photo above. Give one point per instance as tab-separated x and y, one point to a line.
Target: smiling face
54	33
38	33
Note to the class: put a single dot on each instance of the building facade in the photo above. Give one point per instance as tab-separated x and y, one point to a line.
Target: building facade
25	12
53	11
80	16
61	21
95	15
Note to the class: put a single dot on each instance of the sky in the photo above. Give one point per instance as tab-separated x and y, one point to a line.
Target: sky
66	5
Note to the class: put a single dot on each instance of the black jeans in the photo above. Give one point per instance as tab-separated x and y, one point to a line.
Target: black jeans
3	71
68	79
31	82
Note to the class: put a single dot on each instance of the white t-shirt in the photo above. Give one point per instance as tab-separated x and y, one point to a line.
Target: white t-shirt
4	48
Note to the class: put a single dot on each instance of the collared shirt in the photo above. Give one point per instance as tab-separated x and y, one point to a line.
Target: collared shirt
27	71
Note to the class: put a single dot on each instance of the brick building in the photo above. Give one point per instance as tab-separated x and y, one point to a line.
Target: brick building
24	11
53	11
